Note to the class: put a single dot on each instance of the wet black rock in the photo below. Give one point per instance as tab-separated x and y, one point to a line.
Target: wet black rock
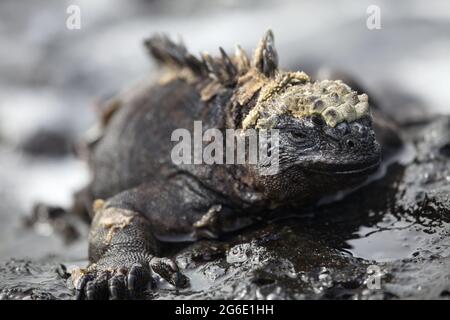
61	221
26	280
47	143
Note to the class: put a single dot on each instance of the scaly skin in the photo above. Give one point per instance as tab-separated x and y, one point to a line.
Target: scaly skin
327	144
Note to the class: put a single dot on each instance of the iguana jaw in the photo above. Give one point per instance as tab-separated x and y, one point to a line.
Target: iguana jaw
358	169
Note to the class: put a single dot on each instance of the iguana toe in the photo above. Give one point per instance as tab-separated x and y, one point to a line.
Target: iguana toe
127	282
169	270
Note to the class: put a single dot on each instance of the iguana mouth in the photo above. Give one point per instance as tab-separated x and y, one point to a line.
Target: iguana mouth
366	169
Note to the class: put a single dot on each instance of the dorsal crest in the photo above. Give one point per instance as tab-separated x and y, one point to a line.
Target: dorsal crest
265	59
223	70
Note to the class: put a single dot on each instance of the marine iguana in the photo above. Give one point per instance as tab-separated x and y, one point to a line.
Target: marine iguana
138	197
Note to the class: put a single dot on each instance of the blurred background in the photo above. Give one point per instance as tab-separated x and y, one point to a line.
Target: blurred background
51	77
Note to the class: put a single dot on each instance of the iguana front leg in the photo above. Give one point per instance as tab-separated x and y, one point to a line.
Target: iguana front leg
122	252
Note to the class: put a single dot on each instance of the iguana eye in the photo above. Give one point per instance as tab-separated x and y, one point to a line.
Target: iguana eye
297	136
301	138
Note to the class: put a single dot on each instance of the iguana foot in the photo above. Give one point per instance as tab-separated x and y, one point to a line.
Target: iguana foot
128	278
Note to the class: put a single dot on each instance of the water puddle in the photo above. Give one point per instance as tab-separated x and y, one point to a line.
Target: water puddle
391	239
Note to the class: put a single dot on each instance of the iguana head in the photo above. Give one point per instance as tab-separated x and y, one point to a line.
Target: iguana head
316	159
326	140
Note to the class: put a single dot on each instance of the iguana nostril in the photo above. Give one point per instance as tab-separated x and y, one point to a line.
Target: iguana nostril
350	143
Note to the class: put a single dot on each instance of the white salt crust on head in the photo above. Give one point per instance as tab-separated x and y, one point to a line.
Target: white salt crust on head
294	93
